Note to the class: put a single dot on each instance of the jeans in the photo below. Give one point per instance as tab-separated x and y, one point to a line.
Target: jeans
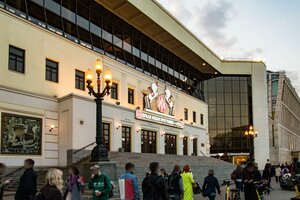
238	185
212	197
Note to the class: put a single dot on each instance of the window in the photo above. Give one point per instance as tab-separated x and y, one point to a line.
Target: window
106	135
186	114
148	141
16	59
170	144
185	145
126	138
144	100
195	147
201	119
79	80
51	70
130	96
194	116
114	91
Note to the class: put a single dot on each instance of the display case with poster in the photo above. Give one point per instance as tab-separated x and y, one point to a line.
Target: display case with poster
21	134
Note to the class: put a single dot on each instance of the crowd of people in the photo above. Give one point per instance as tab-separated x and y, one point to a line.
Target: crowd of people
157	184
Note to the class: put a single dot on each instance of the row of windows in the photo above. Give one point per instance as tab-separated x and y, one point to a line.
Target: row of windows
148	141
186	116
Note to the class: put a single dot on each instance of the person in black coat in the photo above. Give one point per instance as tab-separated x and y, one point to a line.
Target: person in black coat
28	182
211	186
251	176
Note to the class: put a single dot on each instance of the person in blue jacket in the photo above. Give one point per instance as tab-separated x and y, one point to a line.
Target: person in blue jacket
211	186
129	174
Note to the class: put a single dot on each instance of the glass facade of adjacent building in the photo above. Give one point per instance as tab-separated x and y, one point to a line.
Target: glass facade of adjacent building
230	113
91	25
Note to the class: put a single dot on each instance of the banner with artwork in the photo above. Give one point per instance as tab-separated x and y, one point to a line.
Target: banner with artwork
20	134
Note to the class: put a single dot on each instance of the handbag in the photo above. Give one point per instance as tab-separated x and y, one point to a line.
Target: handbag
197	189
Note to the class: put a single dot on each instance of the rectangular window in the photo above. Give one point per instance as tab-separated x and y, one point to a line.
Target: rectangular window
186	114
130	96
16	59
114	91
126	138
194	116
201	119
170	144
195	147
51	70
106	135
185	146
148	141
79	80
144	100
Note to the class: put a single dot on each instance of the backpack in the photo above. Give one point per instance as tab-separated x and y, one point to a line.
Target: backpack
111	192
173	184
233	176
150	189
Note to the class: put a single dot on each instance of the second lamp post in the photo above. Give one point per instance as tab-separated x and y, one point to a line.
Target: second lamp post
99	152
251	133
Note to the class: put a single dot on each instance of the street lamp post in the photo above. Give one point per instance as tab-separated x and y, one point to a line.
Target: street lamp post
251	133
99	152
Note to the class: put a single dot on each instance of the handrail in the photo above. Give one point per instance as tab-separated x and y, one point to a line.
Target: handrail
202	153
78	150
11	173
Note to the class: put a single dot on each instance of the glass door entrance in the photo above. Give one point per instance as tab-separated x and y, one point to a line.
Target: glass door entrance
170	144
148	141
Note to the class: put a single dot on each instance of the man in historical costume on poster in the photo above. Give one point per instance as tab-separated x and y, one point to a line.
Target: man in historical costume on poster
21	140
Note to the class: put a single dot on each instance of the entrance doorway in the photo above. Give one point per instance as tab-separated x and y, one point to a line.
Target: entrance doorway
185	145
170	144
106	135
126	138
148	141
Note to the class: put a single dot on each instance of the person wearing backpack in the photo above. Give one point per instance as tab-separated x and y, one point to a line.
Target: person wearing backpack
175	185
74	185
237	176
100	184
131	186
153	185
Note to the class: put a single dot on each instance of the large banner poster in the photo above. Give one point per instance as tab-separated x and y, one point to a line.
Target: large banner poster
20	134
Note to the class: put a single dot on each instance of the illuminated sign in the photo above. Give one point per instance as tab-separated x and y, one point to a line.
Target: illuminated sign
158	118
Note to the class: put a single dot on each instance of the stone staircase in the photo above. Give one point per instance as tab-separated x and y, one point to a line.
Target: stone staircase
199	166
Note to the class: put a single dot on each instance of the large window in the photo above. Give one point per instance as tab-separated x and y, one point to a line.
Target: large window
170	144
114	91
185	145
148	141
195	147
51	70
79	80
186	114
194	117
126	138
16	59
106	135
201	119
130	96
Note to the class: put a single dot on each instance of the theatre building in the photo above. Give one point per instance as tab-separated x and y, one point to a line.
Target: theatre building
163	83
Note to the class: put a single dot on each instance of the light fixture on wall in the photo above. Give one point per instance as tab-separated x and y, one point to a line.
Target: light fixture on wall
162	133
51	127
119	126
139	129
192	123
181	136
192	137
208	145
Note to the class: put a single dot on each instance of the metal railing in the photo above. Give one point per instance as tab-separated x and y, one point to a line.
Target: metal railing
13	172
83	148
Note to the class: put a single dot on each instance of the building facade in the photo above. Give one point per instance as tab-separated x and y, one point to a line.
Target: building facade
284	118
46	112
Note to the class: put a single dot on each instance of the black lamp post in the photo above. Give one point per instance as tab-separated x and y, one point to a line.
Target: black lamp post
251	133
99	152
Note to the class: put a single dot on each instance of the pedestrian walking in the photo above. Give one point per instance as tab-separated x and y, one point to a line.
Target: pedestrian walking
175	185
74	185
100	184
267	175
5	183
53	187
211	186
250	178
237	176
28	182
188	183
277	173
153	185
165	175
296	164
130	189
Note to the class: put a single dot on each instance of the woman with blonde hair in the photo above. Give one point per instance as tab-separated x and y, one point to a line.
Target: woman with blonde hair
53	187
188	183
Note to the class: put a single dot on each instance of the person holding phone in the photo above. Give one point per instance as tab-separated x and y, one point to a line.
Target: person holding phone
100	184
4	183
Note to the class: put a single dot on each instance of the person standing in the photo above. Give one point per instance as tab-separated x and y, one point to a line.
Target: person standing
277	173
153	185
175	185
132	191
165	175
296	164
3	184
53	187
211	185
74	185
250	178
100	184
188	183
267	175
28	182
237	177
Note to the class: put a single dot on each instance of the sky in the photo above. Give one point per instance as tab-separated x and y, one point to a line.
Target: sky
257	29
